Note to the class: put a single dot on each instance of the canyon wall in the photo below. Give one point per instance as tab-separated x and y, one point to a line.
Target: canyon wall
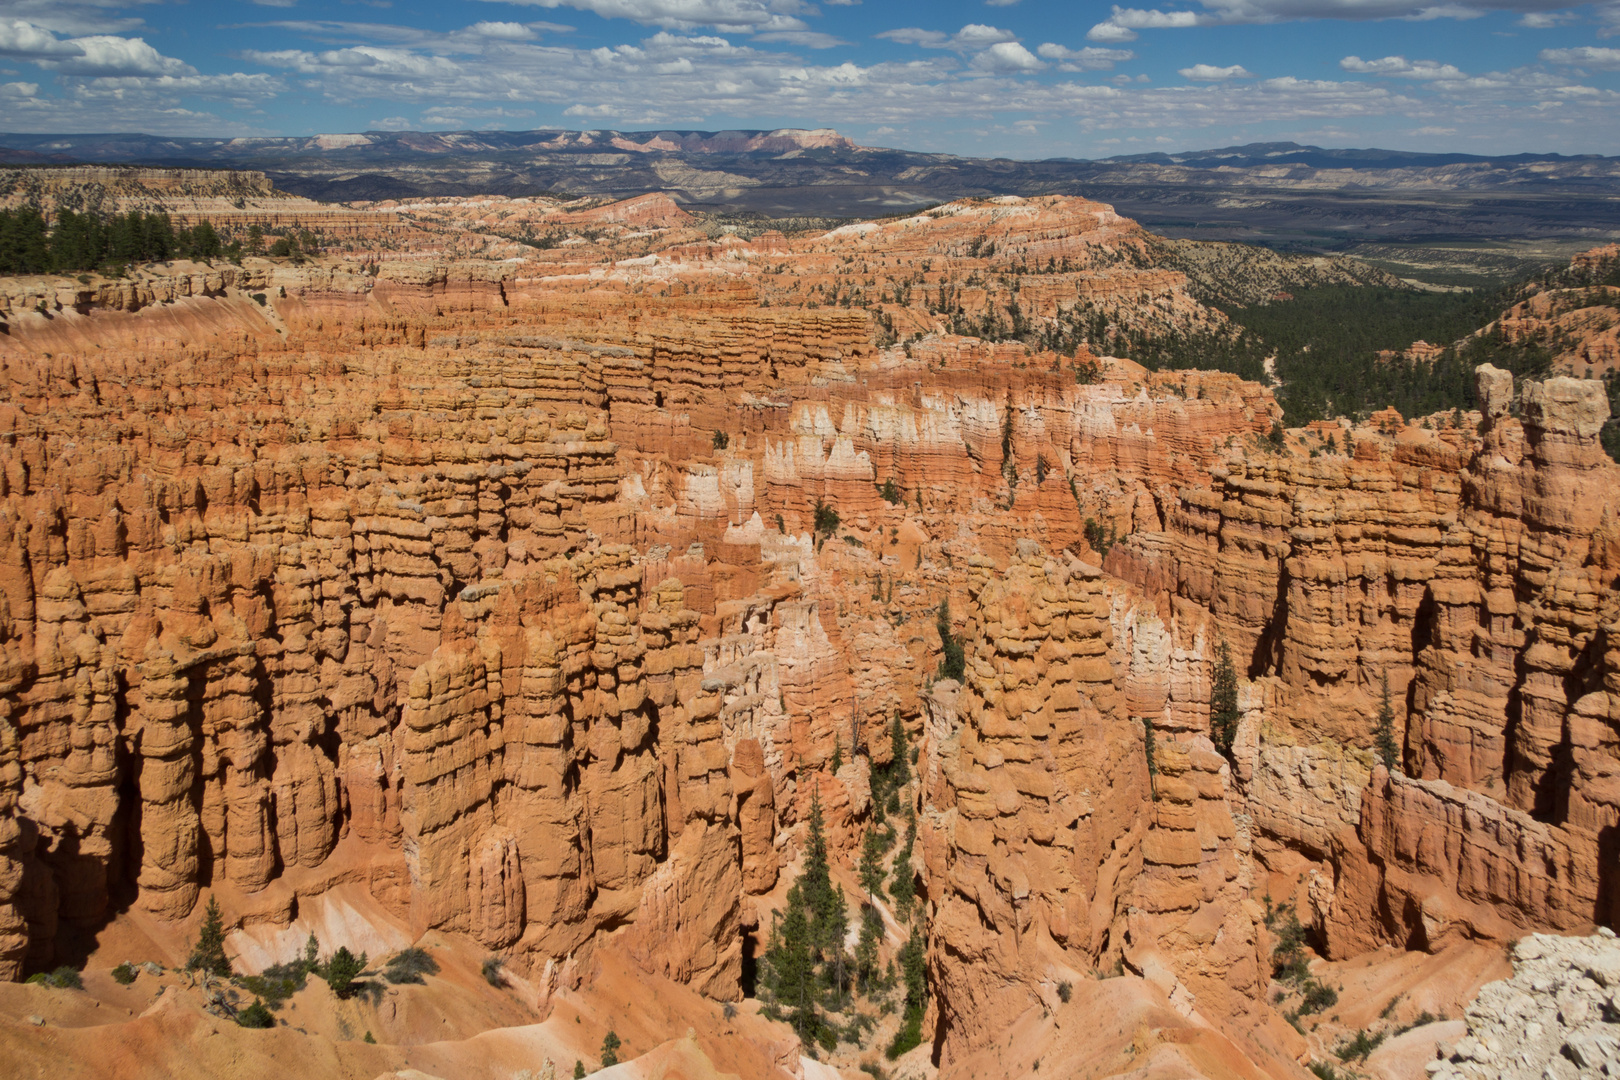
497	589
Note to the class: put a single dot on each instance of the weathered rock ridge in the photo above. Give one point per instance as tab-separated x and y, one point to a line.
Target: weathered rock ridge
493	588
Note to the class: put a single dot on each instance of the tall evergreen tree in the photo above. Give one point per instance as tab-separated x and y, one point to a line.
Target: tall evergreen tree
866	949
1223	700
208	952
953	655
871	863
1389	751
790	959
900	767
914	972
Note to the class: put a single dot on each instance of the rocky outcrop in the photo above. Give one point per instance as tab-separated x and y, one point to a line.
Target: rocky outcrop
1555	1019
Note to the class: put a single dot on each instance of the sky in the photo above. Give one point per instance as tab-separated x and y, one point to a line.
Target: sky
1016	78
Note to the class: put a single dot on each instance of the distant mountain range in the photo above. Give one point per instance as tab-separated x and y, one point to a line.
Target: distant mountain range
1283	194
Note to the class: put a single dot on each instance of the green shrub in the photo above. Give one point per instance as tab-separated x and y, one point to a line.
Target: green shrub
342	970
1065	991
492	971
826	519
1318	996
721	440
124	973
63	978
910	1034
1359	1047
278	982
256	1016
1422	1018
409	965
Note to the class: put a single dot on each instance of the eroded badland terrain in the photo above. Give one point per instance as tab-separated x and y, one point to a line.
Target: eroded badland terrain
547	586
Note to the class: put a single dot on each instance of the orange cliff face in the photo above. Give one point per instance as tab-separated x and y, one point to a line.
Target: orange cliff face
482	581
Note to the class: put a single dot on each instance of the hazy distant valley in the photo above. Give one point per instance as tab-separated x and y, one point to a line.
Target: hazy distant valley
1461	219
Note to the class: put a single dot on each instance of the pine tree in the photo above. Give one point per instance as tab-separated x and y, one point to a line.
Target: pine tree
900	767
904	886
610	1049
1388	749
866	950
871	863
828	921
208	954
792	967
1223	701
838	753
914	971
953	656
342	970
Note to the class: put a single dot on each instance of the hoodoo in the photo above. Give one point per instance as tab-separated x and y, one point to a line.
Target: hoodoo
543	631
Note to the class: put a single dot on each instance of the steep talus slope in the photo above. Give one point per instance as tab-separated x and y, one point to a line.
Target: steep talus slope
486	582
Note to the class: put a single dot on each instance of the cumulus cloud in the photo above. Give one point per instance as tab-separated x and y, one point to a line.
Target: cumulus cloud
736	16
1402	67
1123	23
94	54
1586	55
105	54
1211	73
1006	56
970	37
1089	58
505	31
24	41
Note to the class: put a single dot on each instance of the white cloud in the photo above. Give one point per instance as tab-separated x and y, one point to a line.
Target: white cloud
1124	22
368	60
1211	73
1006	56
1089	58
970	37
104	54
1402	67
732	16
1588	55
25	41
504	31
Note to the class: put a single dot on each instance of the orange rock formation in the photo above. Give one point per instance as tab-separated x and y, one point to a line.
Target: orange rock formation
489	589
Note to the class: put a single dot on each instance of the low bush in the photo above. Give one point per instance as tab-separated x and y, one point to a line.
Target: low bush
256	1016
409	966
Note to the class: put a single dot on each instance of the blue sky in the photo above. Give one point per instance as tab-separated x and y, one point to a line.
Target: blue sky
1022	78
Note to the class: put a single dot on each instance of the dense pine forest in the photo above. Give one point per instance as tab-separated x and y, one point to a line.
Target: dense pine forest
73	242
1334	350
